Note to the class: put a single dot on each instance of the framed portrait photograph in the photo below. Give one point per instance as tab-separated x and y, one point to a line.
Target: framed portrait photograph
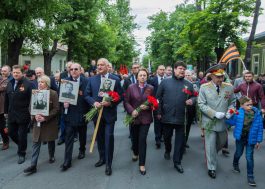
106	85
40	100
69	91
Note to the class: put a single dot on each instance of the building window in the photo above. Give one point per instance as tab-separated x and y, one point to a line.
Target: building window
27	62
255	61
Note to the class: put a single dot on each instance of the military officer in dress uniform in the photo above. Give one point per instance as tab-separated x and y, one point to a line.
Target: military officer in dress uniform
215	98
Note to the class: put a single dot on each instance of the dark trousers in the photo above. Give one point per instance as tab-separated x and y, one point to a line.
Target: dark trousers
191	116
240	145
36	151
179	141
105	141
70	133
139	135
158	128
18	133
2	127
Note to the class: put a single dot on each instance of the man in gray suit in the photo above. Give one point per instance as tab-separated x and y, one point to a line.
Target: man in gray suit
215	98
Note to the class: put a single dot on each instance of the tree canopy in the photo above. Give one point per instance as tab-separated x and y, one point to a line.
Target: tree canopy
90	28
198	33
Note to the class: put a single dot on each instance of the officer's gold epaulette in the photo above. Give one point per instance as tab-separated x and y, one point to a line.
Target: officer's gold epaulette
226	84
205	84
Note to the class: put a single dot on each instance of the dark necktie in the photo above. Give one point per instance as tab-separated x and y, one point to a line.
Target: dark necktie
161	79
133	80
15	85
218	89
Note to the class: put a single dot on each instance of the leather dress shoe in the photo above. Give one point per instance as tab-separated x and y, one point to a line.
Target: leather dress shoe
167	156
179	168
64	167
100	163
60	142
21	159
30	170
108	170
225	153
212	174
5	146
52	160
81	155
142	172
134	158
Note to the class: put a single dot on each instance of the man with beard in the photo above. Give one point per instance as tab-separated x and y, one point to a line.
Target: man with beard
252	90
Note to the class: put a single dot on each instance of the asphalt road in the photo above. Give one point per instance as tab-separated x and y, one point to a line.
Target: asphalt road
160	172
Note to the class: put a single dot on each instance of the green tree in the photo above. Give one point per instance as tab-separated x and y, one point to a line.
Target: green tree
18	21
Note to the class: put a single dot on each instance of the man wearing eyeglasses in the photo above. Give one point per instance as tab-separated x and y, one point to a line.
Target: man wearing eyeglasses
131	80
74	120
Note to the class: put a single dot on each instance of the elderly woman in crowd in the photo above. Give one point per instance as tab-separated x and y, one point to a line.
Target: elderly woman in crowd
135	96
47	131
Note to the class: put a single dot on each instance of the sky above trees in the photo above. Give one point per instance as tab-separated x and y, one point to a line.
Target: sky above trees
144	8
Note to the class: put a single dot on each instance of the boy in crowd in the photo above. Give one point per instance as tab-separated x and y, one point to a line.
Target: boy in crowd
248	133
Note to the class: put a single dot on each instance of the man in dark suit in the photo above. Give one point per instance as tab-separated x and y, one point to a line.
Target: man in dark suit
63	75
74	119
131	80
158	127
105	135
17	102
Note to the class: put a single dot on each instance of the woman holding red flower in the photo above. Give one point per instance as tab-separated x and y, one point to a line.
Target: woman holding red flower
135	100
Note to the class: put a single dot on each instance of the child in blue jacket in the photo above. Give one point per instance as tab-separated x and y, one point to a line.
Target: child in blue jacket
248	133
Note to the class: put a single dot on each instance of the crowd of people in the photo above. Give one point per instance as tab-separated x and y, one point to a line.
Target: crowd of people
184	98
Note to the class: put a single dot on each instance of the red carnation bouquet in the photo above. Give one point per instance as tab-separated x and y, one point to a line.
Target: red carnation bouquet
110	96
186	91
233	111
151	101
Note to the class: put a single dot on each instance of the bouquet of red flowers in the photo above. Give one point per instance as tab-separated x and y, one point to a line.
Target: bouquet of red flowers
233	111
151	101
111	96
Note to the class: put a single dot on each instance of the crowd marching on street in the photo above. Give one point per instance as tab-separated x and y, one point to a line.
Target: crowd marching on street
173	97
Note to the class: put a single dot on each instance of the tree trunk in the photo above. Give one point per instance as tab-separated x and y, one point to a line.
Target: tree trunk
70	54
198	5
13	51
219	51
247	59
48	55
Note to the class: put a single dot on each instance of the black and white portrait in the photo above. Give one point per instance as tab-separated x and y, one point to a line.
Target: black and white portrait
69	91
40	102
106	86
